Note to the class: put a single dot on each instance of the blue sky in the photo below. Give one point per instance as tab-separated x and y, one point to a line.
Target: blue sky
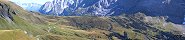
31	1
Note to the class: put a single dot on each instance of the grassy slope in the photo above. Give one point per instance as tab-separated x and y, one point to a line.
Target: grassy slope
66	28
138	28
14	35
26	21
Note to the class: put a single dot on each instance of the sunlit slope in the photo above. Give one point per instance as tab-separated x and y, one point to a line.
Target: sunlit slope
14	17
14	35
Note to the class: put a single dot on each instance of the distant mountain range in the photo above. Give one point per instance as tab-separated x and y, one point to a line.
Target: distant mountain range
174	9
82	7
30	6
19	24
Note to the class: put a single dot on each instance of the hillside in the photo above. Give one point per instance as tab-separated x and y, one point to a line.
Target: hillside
136	26
34	25
14	35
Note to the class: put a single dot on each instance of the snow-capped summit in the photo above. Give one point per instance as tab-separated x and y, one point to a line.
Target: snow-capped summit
80	7
172	8
55	7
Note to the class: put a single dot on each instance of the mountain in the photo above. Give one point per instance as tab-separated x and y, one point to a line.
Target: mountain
19	24
80	7
174	9
30	6
55	7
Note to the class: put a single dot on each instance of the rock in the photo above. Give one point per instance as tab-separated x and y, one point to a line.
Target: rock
5	12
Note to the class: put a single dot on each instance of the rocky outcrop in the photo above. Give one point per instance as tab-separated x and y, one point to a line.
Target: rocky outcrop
6	12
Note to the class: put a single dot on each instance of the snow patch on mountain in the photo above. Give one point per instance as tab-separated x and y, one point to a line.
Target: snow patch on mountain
80	7
166	1
56	7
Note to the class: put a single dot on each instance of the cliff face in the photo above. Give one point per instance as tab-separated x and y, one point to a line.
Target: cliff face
4	10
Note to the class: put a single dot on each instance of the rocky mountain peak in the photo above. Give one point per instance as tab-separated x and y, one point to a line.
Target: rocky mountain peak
174	9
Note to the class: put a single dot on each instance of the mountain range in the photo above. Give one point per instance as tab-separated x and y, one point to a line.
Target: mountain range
30	6
19	24
173	9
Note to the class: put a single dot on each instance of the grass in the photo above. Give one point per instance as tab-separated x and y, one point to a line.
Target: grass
25	21
69	28
45	31
14	35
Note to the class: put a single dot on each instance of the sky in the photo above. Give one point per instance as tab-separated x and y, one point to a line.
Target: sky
31	1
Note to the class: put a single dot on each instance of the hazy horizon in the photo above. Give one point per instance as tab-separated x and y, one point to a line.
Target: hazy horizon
31	1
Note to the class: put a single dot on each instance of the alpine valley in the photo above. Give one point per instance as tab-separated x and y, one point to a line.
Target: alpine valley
93	20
